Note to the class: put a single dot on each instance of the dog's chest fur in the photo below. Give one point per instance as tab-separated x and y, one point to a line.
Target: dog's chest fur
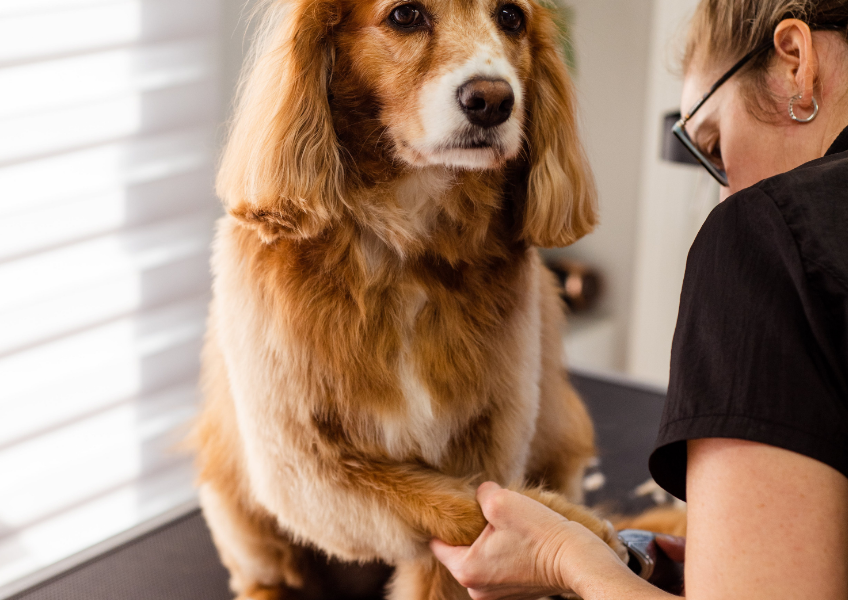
402	359
500	357
418	427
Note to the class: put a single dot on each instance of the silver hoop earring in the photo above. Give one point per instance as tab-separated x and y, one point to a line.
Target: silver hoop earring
808	119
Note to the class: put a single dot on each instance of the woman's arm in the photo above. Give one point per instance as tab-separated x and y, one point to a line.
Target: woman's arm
763	523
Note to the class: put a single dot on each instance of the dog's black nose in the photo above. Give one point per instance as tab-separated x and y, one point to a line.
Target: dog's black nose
487	102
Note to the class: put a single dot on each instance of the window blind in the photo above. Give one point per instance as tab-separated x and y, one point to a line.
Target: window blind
108	113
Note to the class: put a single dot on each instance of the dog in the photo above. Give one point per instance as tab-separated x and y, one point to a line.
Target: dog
383	335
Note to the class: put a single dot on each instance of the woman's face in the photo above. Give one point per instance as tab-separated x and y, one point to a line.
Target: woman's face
750	149
746	148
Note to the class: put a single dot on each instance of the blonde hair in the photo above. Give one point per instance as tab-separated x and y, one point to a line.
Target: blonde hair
727	30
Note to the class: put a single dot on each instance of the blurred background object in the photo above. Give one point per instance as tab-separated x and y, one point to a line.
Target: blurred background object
579	284
565	22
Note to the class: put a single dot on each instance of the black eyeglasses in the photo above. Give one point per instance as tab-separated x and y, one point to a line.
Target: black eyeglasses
679	128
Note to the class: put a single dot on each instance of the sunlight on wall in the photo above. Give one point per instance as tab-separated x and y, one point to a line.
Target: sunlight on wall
86	192
37	29
108	116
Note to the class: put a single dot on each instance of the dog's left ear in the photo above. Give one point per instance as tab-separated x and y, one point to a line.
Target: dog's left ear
282	171
561	200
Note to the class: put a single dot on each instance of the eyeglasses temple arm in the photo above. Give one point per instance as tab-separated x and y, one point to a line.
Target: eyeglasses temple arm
725	77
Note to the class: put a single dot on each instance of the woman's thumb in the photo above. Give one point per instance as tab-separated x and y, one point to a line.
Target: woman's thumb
448	555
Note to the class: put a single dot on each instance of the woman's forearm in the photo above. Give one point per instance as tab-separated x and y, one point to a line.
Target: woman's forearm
617	583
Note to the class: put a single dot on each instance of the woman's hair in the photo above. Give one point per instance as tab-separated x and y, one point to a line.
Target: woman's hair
727	30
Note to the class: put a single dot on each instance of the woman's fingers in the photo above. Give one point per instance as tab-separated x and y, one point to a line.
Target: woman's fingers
502	507
673	546
485	494
455	559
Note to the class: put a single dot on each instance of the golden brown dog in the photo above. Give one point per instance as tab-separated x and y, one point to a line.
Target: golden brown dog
383	335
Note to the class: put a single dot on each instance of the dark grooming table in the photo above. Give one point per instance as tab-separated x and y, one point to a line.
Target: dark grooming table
172	558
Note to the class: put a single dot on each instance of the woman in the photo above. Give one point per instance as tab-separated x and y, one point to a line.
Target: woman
755	430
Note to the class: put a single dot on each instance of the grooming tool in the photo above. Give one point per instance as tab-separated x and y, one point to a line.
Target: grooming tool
642	548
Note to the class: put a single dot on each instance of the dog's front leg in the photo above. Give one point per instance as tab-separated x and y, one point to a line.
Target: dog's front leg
444	507
431	503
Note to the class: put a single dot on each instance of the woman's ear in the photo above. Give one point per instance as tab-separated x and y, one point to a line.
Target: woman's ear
798	62
282	170
561	200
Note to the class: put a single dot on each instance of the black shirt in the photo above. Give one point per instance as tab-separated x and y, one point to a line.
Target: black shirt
760	352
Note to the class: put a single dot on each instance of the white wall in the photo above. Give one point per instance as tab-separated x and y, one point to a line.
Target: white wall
612	42
673	202
235	43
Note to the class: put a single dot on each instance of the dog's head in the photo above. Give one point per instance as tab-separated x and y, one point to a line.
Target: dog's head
464	84
450	76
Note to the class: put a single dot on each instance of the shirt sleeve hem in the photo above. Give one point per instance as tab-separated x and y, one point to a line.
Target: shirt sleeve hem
668	461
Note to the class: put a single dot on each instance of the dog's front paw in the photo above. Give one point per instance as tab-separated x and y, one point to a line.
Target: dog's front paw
459	522
600	527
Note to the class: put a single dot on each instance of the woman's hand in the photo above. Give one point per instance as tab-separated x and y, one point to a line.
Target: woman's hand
527	551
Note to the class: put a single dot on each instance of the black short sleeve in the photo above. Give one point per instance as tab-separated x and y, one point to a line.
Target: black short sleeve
756	352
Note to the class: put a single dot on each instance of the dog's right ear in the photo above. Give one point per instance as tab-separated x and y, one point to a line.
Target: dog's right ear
282	170
561	204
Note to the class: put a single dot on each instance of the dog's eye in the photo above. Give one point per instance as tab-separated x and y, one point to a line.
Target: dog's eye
407	17
511	18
